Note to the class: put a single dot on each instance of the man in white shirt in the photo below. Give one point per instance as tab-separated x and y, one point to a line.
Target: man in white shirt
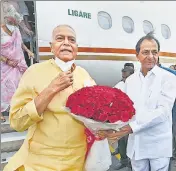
153	93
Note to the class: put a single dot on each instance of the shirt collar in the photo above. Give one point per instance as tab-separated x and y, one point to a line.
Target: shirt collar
154	70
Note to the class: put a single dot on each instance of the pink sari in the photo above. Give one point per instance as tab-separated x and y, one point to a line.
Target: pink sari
10	76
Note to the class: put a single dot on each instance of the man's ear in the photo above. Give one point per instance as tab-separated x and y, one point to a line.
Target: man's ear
51	46
137	55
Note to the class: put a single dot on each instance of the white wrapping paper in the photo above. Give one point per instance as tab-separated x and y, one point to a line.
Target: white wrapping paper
99	156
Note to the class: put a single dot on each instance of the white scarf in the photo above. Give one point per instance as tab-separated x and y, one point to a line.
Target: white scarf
4	36
64	66
10	27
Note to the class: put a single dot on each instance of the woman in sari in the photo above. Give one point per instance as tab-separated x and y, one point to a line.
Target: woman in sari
13	63
55	141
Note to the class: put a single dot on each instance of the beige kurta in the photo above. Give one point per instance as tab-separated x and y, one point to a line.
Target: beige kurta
55	141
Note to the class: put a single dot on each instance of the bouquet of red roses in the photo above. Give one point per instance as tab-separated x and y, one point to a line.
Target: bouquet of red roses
100	108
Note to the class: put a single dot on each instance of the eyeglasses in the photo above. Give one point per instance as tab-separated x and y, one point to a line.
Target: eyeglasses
147	52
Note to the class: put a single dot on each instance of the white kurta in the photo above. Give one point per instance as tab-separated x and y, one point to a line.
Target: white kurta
120	85
153	97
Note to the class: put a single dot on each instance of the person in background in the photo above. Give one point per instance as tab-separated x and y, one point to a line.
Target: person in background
173	67
13	64
25	37
174	132
153	93
24	26
129	65
126	72
173	112
122	143
21	10
170	69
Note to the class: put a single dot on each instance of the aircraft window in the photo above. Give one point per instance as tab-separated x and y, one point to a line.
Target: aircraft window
128	24
147	26
165	30
104	20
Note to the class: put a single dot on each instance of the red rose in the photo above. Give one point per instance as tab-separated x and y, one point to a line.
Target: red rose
114	118
125	116
103	117
101	103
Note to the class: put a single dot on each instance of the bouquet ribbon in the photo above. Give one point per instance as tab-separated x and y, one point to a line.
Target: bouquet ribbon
91	138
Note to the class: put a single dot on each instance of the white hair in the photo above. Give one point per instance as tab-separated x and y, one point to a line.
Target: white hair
8	10
63	25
